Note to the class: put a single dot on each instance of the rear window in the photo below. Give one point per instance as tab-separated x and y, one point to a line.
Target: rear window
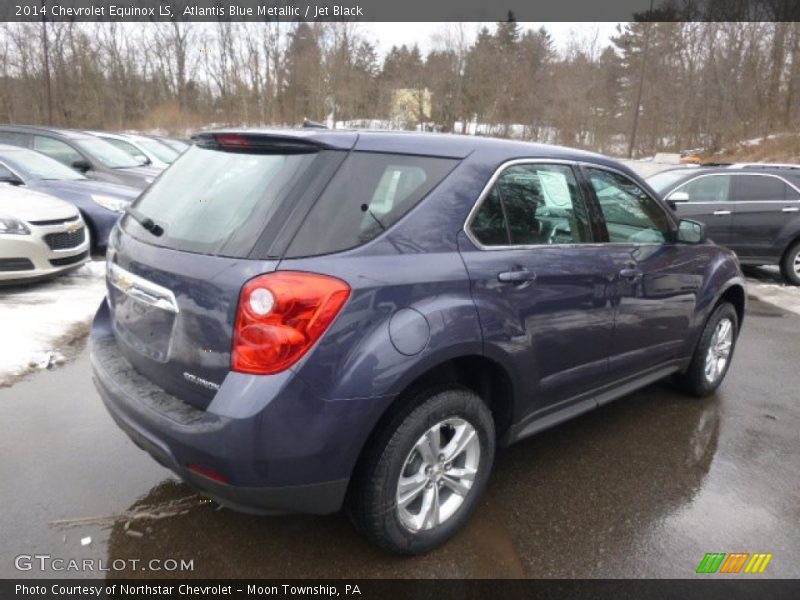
370	192
217	202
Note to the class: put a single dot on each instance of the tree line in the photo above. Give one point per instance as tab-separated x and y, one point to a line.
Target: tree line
655	86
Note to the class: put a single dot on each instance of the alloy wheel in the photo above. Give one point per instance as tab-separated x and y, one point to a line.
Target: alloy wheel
719	350
438	474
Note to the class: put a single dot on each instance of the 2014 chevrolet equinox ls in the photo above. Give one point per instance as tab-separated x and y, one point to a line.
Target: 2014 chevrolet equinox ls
300	321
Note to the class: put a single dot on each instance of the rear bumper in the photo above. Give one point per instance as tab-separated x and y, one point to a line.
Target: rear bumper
287	451
320	498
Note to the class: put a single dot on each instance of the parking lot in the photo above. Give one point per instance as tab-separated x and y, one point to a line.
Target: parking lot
643	487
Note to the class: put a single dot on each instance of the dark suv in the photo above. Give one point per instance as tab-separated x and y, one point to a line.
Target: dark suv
753	209
300	321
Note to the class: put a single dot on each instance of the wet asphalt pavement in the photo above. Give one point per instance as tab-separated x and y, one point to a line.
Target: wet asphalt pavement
643	487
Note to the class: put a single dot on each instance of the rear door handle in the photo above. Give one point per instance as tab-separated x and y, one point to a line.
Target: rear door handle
790	209
520	276
630	274
720	213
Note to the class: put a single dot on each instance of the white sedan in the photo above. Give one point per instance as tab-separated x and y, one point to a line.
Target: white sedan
40	236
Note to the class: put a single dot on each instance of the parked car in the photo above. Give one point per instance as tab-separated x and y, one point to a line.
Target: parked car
95	158
753	209
304	320
144	149
40	236
100	203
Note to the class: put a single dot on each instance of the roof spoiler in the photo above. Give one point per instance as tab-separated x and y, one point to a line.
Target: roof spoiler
257	143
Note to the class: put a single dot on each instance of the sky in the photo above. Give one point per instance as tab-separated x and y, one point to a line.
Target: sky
385	35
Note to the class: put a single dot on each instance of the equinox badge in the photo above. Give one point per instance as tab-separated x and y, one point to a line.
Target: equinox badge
209	385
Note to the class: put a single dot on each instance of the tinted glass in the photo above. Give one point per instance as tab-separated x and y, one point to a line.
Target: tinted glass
56	149
107	154
39	166
216	202
631	216
711	188
759	187
489	224
541	204
368	194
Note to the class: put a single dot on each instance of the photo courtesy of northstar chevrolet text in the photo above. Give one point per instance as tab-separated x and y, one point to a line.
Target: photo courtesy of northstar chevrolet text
319	299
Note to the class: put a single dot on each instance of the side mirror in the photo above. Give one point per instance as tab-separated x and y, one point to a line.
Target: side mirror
143	159
676	197
81	165
691	232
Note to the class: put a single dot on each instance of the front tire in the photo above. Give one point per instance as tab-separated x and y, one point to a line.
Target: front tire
713	354
790	264
424	472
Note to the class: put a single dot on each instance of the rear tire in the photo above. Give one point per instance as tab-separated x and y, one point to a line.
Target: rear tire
790	264
418	449
713	354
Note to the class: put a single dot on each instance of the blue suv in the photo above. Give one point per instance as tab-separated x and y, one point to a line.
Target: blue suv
300	321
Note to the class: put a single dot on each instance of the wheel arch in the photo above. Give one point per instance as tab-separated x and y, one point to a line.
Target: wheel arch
736	295
475	372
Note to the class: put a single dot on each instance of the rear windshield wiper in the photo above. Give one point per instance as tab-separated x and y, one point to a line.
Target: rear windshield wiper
145	221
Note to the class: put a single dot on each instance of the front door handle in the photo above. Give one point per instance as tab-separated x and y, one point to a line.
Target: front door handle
520	276
631	274
720	213
790	209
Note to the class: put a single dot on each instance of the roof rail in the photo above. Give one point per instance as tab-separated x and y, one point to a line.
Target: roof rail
765	166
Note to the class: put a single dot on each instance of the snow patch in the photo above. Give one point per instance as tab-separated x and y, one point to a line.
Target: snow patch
40	320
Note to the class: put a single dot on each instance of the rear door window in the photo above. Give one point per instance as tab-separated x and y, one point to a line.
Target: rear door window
369	194
752	188
532	204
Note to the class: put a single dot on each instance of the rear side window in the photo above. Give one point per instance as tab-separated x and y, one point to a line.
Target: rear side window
368	194
751	188
217	202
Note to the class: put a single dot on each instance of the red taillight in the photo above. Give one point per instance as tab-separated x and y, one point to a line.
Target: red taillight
232	140
281	315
